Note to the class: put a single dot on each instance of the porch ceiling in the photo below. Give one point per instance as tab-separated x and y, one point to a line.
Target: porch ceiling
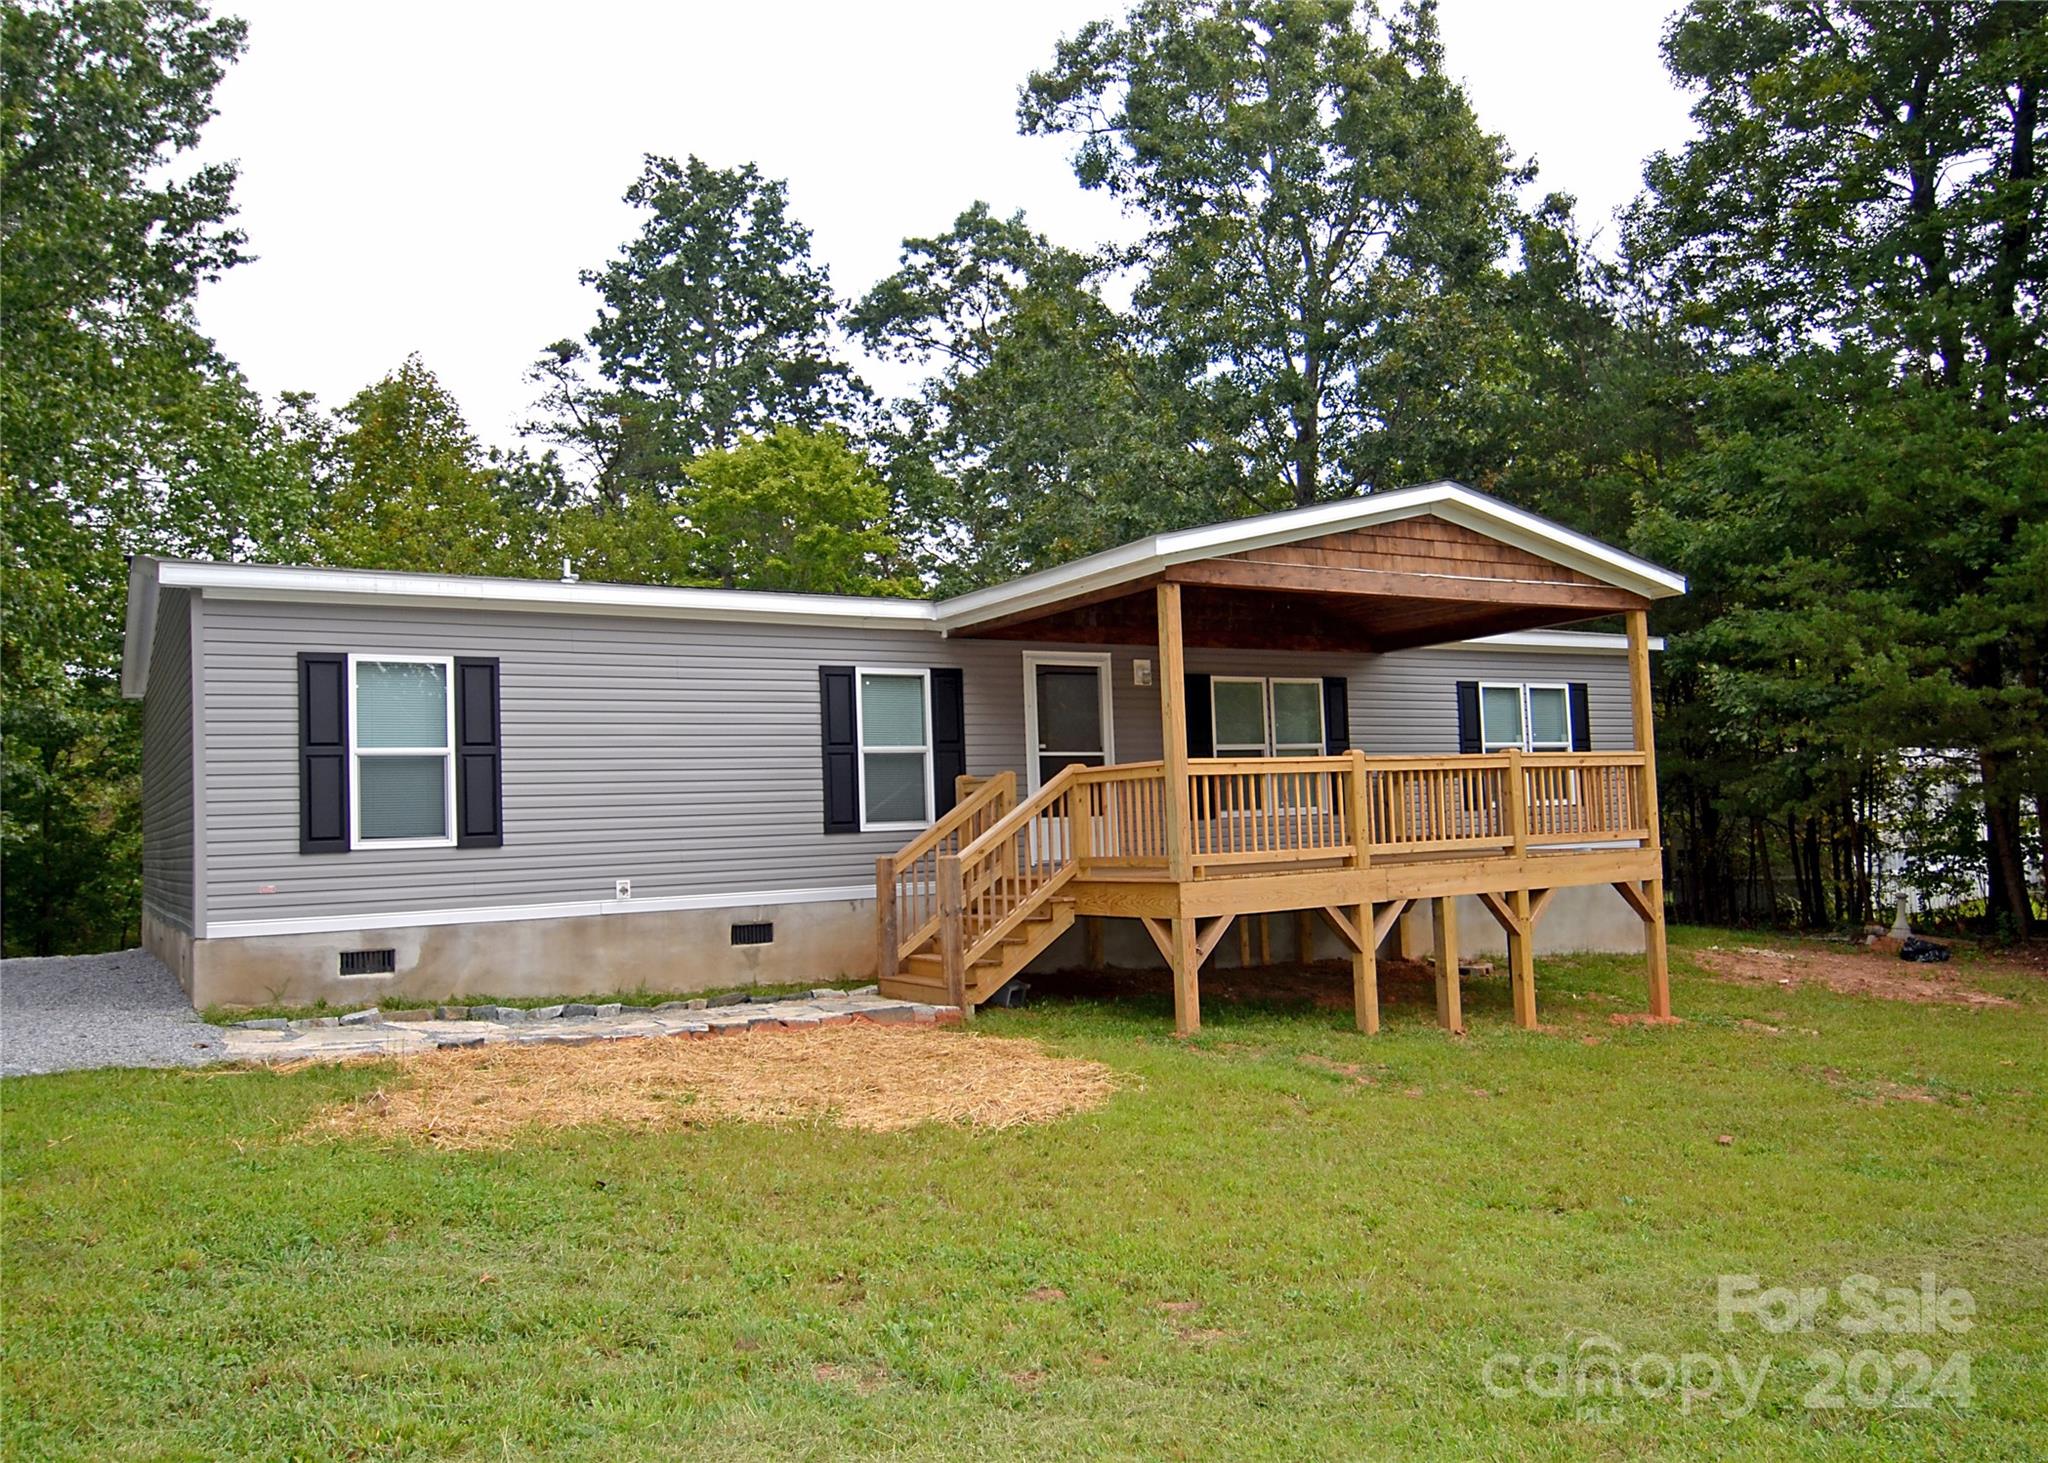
1232	617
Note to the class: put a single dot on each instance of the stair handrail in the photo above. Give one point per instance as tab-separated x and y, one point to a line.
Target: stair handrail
906	918
960	946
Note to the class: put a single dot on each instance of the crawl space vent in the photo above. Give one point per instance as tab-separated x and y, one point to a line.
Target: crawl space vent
761	934
368	962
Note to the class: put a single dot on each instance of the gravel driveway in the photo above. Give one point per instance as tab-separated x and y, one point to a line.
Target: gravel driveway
122	1010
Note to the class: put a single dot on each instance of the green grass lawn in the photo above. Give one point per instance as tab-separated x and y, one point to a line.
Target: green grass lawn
1249	1252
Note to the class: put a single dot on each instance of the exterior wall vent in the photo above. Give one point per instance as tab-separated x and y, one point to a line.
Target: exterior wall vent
368	962
760	934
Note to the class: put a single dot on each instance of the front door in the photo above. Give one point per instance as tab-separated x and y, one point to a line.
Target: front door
1070	713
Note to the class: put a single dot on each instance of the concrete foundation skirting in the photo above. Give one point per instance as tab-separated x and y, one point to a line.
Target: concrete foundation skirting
172	944
679	951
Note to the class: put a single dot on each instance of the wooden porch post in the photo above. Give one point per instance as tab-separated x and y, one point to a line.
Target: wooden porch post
1450	1010
885	918
1646	743
1173	732
1365	960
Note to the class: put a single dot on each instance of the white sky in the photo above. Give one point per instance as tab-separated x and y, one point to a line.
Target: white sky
432	176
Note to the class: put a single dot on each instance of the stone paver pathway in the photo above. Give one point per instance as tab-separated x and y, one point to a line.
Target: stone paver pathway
394	1033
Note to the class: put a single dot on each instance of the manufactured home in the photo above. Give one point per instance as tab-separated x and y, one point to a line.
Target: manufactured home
1333	731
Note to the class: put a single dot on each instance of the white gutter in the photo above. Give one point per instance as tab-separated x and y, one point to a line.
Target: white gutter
1565	640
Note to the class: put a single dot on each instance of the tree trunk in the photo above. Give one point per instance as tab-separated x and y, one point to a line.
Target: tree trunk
2008	893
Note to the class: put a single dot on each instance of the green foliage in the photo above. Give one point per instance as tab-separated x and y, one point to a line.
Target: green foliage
1856	248
1326	224
792	510
714	322
1044	429
121	428
404	485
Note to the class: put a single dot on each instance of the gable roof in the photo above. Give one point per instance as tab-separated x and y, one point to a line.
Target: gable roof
148	576
1453	502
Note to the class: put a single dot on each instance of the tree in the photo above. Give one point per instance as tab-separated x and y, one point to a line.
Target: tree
405	486
1326	222
792	510
122	429
1860	228
714	322
1043	430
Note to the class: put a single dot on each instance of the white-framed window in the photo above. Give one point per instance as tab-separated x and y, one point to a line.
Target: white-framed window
1536	717
1237	711
893	731
401	742
1257	716
1297	716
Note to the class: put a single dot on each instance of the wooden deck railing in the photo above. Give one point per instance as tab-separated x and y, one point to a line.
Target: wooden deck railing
1253	809
1126	816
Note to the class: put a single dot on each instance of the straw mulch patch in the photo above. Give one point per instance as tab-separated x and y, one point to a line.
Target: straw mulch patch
878	1078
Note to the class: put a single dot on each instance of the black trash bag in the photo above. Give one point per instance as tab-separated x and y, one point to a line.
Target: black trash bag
1925	952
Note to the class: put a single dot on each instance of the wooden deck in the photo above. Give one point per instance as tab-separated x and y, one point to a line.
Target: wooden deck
1187	845
1354	838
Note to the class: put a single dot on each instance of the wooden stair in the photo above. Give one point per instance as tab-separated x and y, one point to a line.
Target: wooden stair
922	977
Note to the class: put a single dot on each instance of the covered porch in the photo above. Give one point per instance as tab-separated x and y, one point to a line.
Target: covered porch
1188	844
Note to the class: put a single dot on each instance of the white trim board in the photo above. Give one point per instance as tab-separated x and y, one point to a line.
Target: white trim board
335	924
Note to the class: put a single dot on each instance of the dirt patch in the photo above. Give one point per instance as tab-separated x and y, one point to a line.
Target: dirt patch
877	1078
865	1380
1846	972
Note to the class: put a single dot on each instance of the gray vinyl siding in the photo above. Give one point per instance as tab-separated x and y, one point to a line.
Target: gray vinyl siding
683	755
167	821
1406	703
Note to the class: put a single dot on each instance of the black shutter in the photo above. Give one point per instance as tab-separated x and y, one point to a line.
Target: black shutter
323	752
1468	716
1582	718
479	759
949	737
1201	718
1336	715
842	752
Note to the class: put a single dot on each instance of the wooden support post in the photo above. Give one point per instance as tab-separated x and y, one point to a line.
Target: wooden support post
1304	936
1653	945
952	934
1173	729
1450	1012
885	918
1656	957
1365	973
1187	988
1265	939
1365	958
1244	944
1091	935
1522	959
